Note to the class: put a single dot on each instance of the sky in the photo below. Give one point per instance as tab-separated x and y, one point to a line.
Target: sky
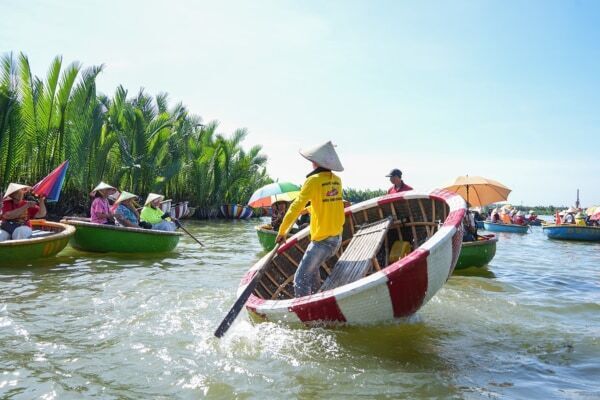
508	90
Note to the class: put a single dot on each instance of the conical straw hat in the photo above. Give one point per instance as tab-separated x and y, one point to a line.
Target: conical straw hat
101	186
324	155
125	196
14	187
153	196
571	210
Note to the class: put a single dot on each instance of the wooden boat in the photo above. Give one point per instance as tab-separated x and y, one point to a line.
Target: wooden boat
118	239
572	232
390	289
495	227
236	211
478	253
165	205
179	210
266	237
48	239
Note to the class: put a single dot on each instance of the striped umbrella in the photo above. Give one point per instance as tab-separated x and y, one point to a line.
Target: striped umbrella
50	186
268	194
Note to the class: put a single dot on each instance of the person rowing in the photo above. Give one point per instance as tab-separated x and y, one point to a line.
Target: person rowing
17	212
324	191
152	214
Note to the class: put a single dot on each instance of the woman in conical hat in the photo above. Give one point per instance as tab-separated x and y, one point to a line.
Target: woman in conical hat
324	191
17	212
100	209
152	214
125	211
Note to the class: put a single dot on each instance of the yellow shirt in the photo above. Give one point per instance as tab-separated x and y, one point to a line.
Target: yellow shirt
580	222
324	191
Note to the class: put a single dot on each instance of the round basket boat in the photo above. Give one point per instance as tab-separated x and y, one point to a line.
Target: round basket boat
109	238
513	228
236	211
478	253
390	289
48	239
266	237
572	232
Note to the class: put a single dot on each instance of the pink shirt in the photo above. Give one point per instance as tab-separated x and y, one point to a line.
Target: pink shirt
99	206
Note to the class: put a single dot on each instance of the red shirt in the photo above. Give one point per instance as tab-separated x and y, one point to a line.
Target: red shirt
9	205
403	188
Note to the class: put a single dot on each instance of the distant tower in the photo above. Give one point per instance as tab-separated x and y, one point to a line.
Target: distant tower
577	201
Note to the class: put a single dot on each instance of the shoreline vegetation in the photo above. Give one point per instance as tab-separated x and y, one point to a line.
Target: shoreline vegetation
134	141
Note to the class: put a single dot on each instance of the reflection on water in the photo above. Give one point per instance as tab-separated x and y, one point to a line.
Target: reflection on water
112	326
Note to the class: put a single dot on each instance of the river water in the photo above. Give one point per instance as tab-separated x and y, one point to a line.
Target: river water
114	327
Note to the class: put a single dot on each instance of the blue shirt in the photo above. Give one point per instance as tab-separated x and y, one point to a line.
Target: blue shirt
127	214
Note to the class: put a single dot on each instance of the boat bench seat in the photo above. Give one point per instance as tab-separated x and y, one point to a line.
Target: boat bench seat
356	260
39	233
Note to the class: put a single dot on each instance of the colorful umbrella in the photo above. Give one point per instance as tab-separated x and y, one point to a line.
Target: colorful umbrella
479	191
266	195
50	186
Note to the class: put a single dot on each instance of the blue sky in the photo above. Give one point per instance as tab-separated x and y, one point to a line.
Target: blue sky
506	90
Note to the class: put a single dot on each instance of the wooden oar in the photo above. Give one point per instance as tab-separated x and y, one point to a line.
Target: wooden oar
241	301
176	221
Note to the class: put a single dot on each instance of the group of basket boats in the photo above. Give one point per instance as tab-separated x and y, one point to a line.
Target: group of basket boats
388	288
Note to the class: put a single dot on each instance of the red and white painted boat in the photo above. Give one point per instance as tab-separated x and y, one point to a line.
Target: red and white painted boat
431	223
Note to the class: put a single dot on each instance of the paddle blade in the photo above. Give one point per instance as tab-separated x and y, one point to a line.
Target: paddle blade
241	300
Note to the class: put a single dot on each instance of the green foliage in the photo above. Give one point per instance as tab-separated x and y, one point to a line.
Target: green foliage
136	143
356	196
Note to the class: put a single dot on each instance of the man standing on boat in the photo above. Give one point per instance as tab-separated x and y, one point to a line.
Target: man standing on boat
324	191
395	176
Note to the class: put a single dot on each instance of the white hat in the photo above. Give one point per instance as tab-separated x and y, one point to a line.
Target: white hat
101	186
14	187
153	196
520	213
531	212
324	155
571	210
563	212
125	196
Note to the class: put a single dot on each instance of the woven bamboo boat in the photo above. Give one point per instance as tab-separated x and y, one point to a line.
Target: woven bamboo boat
388	292
110	238
572	232
48	239
478	253
513	228
266	237
236	211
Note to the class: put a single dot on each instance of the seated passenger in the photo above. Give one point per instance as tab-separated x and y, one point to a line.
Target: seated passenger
505	217
279	208
569	217
16	213
152	214
469	227
494	216
100	209
519	218
580	219
125	212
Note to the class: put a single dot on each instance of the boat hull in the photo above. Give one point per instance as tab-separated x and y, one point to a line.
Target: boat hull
478	253
266	237
235	211
494	227
388	295
572	232
107	238
18	251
